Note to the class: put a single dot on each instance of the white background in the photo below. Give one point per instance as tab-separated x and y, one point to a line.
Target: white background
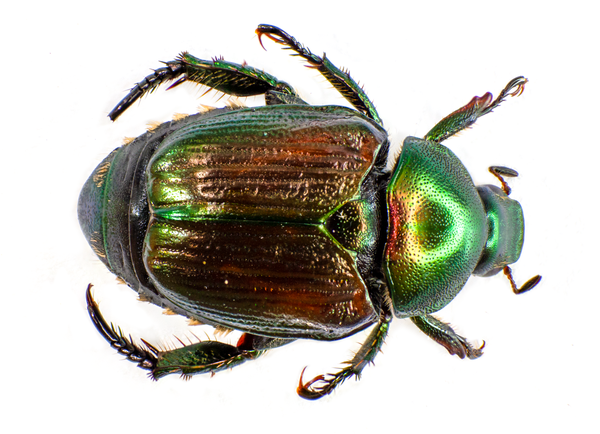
64	65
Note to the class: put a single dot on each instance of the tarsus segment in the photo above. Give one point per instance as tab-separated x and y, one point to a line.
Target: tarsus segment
340	80
145	358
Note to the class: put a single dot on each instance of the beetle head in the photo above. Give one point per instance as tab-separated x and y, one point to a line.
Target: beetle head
506	230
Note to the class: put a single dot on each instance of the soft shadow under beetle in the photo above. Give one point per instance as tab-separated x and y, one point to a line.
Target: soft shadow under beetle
282	221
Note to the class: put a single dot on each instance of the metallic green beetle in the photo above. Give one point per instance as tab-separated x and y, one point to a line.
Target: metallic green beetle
282	221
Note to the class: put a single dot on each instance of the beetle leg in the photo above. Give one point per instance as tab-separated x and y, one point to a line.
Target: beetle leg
207	356
466	116
212	356
227	77
144	357
323	385
340	79
444	335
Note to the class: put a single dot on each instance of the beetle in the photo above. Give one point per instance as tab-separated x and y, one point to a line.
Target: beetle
282	221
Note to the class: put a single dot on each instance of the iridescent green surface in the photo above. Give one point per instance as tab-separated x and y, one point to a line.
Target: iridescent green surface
506	231
258	220
294	164
437	228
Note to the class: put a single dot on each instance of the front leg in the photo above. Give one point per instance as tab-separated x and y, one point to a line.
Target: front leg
444	335
466	116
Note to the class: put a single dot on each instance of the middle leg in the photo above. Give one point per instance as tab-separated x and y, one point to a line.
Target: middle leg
323	385
340	80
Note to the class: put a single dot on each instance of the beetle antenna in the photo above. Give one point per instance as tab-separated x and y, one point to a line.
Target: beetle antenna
498	171
526	286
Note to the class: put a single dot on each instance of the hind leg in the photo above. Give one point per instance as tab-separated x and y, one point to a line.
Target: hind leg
202	357
227	77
